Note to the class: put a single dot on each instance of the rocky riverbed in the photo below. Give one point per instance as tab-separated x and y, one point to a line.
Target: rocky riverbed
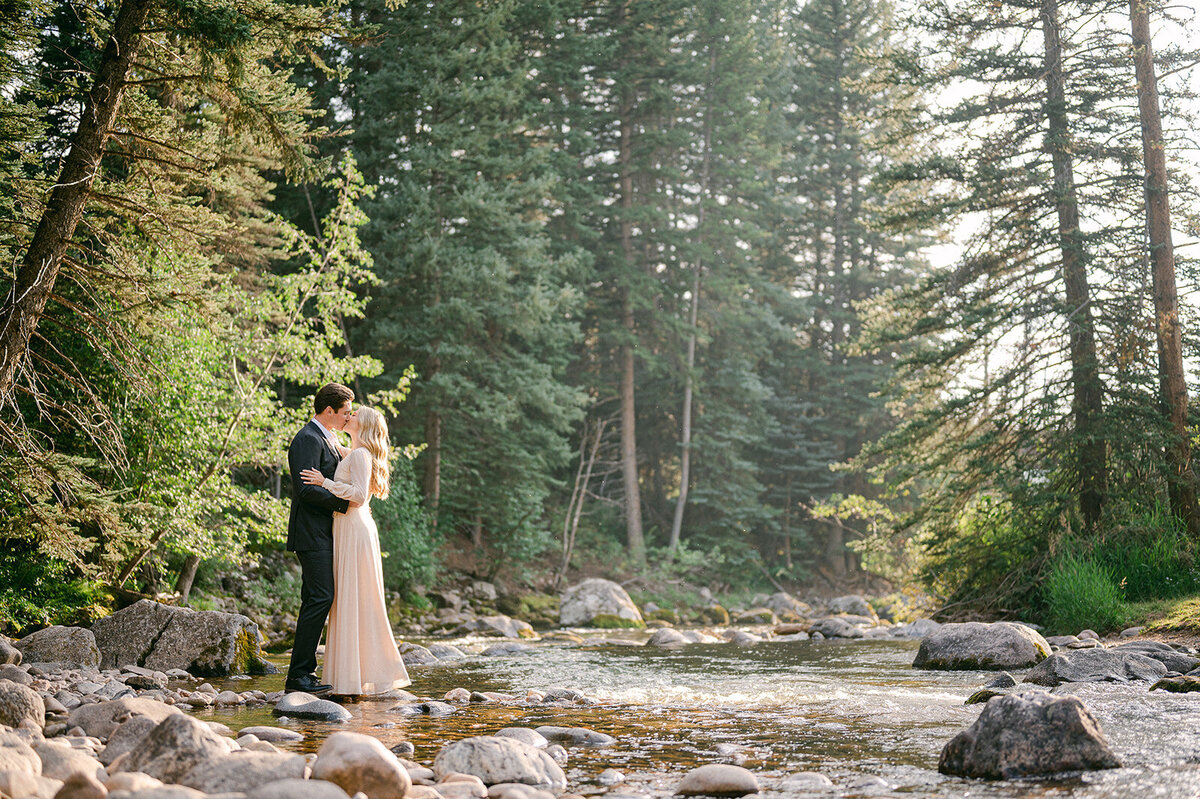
791	709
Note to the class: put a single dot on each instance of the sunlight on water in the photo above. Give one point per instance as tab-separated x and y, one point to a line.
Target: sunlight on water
853	711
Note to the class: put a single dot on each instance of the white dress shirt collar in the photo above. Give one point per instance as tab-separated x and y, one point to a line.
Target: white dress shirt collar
328	433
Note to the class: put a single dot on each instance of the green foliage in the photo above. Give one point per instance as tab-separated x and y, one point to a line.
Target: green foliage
1080	593
1150	555
406	538
39	591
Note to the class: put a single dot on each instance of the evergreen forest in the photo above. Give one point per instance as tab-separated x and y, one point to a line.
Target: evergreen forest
840	294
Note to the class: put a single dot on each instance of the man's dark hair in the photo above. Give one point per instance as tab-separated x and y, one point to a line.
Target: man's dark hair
332	395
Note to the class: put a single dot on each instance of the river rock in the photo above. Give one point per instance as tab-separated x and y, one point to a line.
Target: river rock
921	628
499	625
298	789
784	602
272	734
446	652
20	703
1183	684
976	645
99	720
131	781
582	603
1095	665
9	654
1173	659
806	781
243	771
741	637
515	790
667	637
300	705
482	591
507	649
18	756
853	604
206	643
61	760
498	760
610	776
525	735
834	627
125	737
1027	735
73	647
177	745
82	785
697	637
579	736
415	654
717	779
357	762
16	674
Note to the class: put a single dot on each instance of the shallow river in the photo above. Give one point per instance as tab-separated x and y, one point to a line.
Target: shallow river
851	710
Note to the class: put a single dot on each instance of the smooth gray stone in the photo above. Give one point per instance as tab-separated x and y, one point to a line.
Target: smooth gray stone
499	760
1095	665
300	705
575	735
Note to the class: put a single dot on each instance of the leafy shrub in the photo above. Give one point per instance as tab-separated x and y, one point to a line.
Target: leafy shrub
406	538
1149	551
1079	593
36	591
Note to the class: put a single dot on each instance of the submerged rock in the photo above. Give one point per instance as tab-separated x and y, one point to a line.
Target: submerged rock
581	736
583	602
667	637
1095	665
976	645
1027	735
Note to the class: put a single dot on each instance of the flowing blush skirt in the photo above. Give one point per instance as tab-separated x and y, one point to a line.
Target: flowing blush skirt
360	651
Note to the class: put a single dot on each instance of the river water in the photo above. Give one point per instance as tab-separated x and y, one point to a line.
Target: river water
854	711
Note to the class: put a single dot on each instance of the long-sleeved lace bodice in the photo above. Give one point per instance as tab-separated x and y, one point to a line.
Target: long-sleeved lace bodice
353	479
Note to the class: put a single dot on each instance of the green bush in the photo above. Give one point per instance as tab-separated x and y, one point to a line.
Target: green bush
1080	593
37	591
406	538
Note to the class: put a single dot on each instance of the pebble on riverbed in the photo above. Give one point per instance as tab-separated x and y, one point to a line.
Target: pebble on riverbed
717	779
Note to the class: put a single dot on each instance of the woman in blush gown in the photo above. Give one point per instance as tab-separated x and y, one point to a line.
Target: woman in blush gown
360	652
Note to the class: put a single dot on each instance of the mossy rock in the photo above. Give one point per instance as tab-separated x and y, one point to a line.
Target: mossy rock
713	614
611	621
1178	685
663	614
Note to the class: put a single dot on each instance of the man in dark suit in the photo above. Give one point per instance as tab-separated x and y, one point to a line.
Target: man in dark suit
310	529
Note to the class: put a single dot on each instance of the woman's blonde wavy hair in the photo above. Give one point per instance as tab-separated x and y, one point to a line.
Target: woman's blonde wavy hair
373	434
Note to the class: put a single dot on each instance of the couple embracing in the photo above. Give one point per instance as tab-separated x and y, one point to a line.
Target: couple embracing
333	535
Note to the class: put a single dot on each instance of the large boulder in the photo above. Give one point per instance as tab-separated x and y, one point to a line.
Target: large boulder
356	762
101	719
499	760
176	746
1095	665
581	604
19	703
1027	735
239	772
976	645
206	643
73	647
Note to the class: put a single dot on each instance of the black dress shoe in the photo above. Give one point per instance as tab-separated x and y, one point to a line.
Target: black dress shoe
308	684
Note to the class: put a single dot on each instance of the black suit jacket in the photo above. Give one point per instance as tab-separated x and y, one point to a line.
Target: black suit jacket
310	526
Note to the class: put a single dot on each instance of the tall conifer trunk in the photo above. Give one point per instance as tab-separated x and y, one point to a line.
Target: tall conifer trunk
629	468
1087	399
39	269
1162	258
685	432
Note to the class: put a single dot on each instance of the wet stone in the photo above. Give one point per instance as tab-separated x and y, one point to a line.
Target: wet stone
306	706
717	779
